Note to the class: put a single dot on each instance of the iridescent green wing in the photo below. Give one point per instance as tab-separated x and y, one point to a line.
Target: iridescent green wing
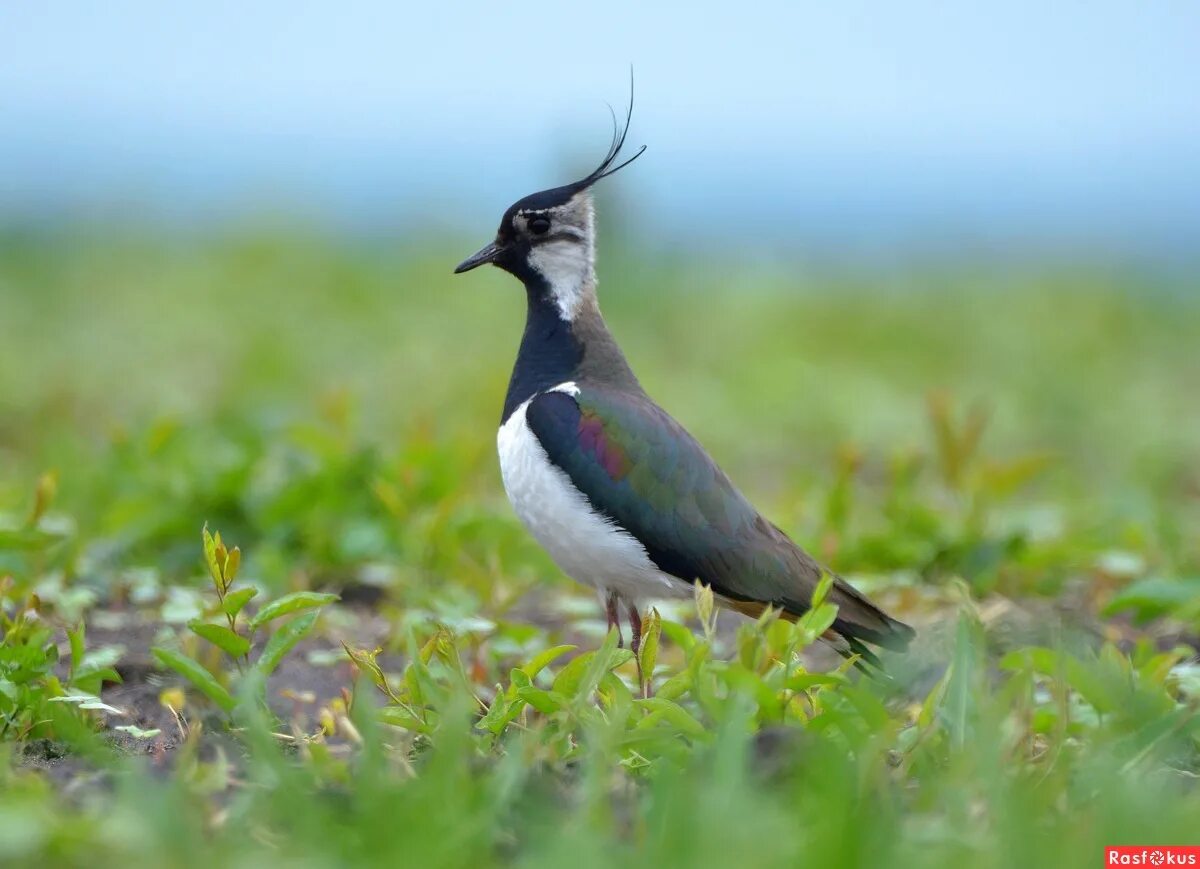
642	470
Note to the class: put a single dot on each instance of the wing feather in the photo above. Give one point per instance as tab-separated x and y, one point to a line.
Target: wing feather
641	468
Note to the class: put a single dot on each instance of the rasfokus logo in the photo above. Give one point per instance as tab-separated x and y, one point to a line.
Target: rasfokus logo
1152	855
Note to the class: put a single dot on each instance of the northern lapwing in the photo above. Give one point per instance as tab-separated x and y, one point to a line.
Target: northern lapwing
616	491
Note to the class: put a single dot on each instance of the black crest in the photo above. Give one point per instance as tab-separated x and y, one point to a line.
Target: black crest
558	195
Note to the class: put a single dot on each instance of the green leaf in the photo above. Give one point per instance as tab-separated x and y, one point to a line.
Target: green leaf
705	607
615	695
933	701
804	681
397	717
211	557
959	700
232	562
283	640
28	539
137	732
1107	689
676	686
506	707
365	660
105	656
648	654
679	634
1037	659
544	658
822	590
290	603
581	675
86	701
673	713
195	673
75	637
235	600
568	677
47	488
492	720
1156	596
547	702
817	621
749	683
518	678
222	637
103	674
599	664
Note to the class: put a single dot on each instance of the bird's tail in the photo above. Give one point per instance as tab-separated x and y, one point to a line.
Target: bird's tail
859	622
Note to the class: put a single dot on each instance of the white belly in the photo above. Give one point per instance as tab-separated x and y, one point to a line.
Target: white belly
588	546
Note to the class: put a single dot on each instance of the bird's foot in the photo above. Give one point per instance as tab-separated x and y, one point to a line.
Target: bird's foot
614	617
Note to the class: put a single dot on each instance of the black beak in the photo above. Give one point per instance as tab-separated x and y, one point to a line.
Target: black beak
483	257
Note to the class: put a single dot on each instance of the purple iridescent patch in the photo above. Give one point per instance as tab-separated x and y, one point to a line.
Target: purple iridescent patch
594	440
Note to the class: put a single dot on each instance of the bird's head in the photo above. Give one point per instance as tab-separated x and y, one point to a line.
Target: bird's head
548	239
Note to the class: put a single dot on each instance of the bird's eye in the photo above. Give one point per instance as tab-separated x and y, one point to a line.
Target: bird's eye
539	225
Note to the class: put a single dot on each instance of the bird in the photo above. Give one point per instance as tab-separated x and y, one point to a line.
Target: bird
618	493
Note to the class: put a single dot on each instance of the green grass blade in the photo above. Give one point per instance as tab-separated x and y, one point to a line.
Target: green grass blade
283	641
197	675
290	603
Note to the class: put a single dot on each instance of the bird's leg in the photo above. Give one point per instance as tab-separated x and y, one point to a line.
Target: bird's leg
614	617
635	644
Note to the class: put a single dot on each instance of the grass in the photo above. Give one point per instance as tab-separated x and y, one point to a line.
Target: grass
1004	455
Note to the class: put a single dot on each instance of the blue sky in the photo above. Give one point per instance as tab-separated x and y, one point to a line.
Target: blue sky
1034	123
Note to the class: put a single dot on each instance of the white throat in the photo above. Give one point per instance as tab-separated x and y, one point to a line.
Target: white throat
569	270
569	264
